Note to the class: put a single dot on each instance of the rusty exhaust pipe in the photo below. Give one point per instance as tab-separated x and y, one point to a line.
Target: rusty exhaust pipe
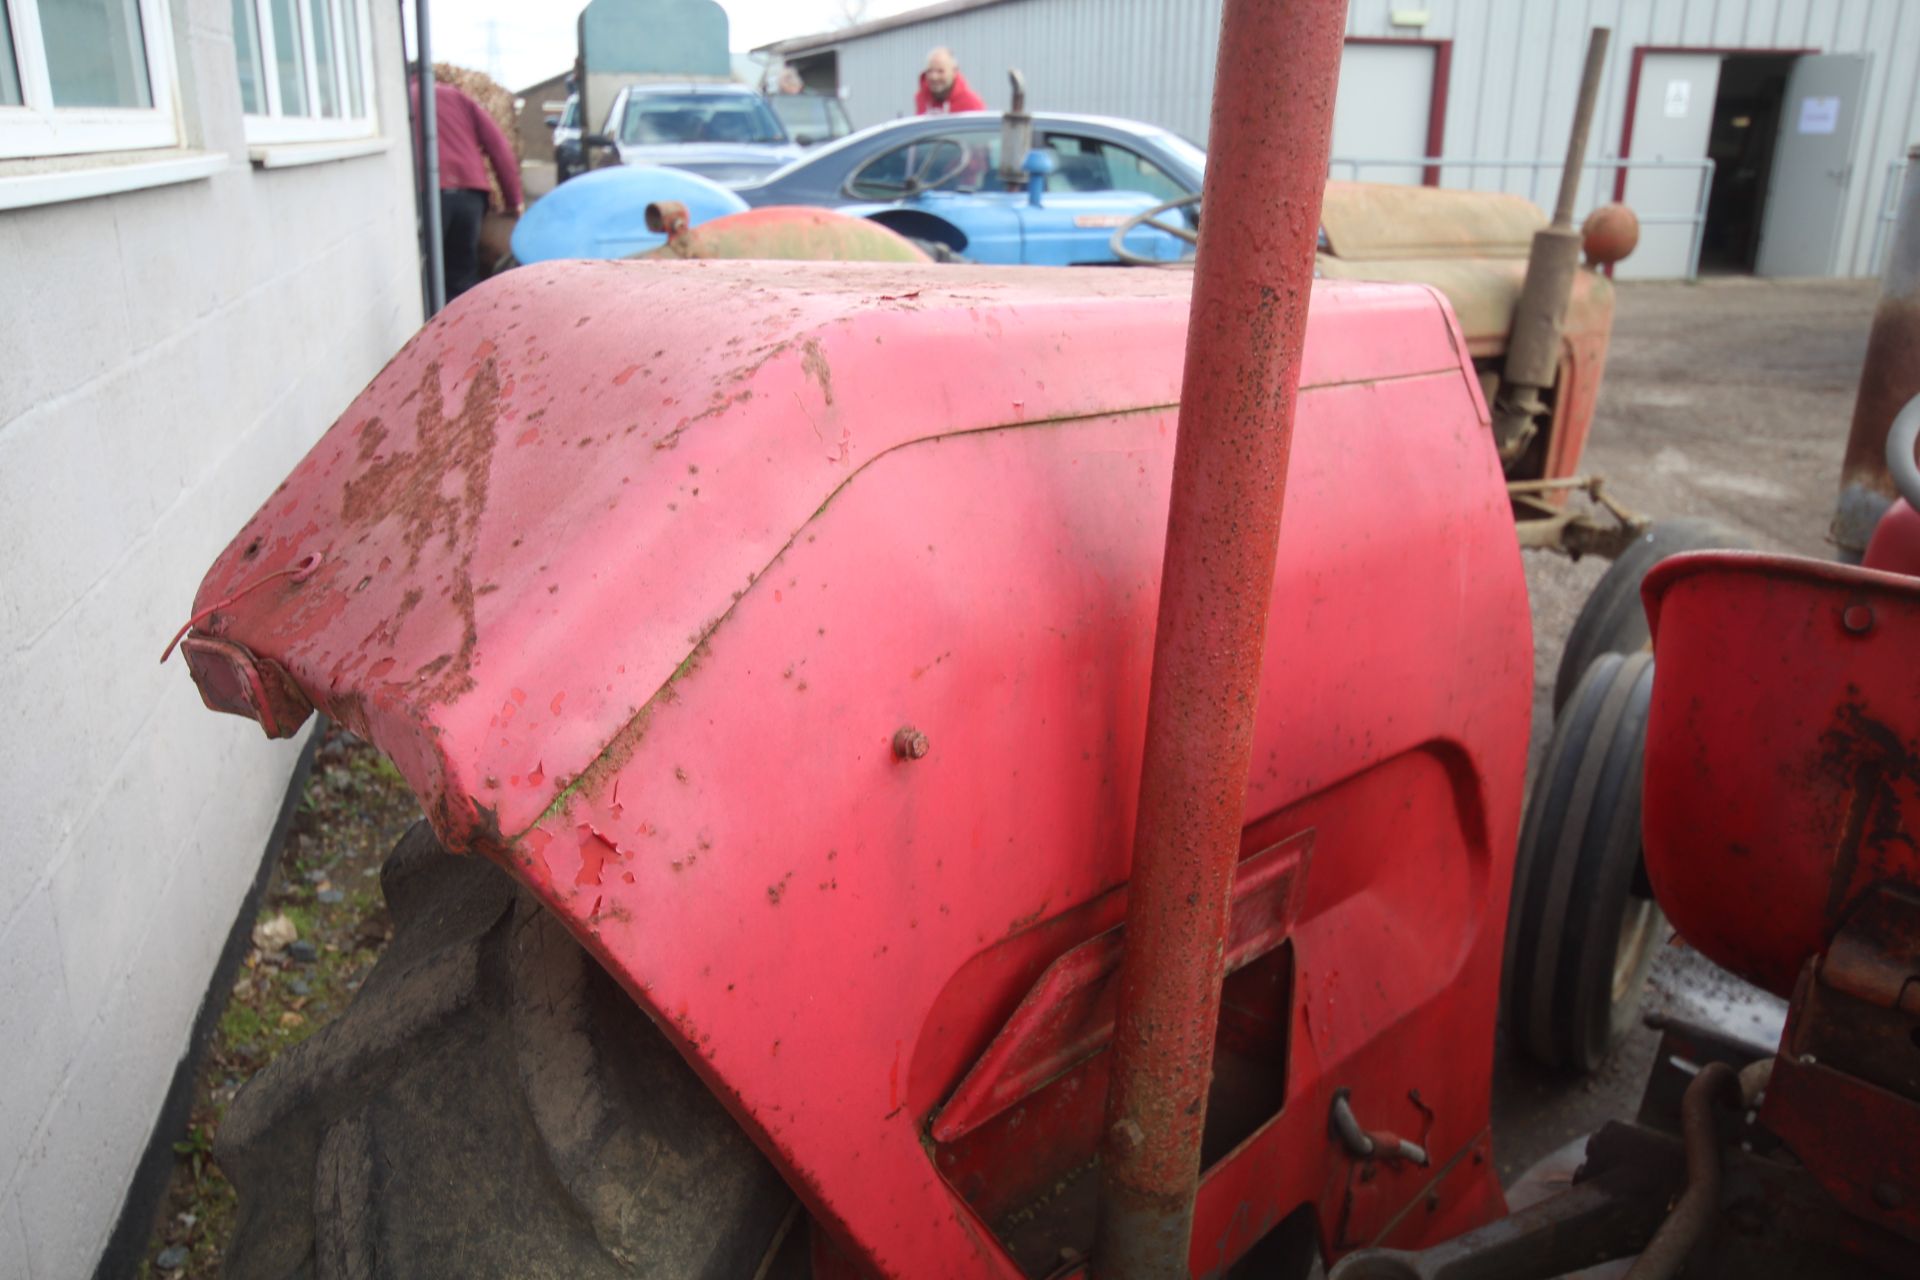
1889	377
1279	62
1533	350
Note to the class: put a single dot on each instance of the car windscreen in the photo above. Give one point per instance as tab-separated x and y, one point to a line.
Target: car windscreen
810	117
667	119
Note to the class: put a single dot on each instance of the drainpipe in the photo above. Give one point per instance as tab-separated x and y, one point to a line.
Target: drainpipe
1279	61
1889	378
430	164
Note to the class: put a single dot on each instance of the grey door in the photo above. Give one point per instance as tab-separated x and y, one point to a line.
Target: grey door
1381	111
1812	165
1672	119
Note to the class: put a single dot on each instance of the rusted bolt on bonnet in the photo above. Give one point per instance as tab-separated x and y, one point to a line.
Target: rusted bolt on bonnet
1857	618
909	743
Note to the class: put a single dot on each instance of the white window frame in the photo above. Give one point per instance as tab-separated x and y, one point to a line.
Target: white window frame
274	127
39	128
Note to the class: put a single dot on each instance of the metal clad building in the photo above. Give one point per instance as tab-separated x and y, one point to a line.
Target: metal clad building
1804	142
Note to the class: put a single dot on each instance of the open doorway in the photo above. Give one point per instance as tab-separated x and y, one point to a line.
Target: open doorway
1745	125
1780	128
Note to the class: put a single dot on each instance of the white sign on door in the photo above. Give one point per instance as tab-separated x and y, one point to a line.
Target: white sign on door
1679	93
1819	115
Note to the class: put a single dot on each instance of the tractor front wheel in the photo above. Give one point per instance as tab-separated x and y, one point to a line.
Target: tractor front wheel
1583	928
493	1104
1613	619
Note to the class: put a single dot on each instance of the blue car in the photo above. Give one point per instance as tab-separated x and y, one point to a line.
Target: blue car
937	180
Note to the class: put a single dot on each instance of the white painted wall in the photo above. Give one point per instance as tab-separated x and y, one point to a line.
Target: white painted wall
168	356
1514	76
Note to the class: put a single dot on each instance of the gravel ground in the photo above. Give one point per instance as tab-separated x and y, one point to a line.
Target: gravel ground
320	927
1728	399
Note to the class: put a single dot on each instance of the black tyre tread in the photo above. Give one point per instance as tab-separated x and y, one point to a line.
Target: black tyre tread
1612	620
492	1104
1574	872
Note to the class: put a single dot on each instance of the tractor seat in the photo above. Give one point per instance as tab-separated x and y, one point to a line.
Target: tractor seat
1783	752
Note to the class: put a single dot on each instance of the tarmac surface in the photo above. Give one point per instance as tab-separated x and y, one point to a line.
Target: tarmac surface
1728	399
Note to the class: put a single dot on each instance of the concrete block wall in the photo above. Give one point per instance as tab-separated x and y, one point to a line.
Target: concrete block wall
169	354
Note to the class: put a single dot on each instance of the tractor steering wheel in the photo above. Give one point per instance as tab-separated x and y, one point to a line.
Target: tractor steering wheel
1152	218
919	180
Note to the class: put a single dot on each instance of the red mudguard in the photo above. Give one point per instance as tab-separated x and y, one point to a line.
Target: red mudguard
638	570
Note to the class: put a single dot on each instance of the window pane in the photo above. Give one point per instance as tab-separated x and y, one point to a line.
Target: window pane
319	12
246	50
966	161
9	70
1088	164
289	63
95	57
350	53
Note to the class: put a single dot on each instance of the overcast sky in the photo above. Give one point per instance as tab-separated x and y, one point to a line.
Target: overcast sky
521	42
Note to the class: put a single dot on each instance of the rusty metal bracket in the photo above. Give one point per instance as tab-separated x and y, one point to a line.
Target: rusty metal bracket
1876	956
1857	1009
1861	1143
1846	1090
1544	521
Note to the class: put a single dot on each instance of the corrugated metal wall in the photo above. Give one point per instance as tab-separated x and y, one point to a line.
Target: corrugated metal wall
1515	64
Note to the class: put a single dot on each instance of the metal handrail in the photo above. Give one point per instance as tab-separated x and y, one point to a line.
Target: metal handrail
1889	214
1696	220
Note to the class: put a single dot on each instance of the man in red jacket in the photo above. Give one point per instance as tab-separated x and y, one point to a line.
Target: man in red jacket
469	141
943	88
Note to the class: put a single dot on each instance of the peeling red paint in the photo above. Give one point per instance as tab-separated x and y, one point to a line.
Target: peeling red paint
595	849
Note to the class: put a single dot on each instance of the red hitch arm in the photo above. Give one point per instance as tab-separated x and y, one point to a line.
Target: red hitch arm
1278	66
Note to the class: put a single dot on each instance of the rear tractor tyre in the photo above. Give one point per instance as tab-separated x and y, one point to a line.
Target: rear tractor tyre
1613	620
1583	928
491	1105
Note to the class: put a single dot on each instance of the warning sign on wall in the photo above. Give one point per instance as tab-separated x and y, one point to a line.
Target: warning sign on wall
1819	115
1679	94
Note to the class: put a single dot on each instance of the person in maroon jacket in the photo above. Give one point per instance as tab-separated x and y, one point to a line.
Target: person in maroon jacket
943	88
469	141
